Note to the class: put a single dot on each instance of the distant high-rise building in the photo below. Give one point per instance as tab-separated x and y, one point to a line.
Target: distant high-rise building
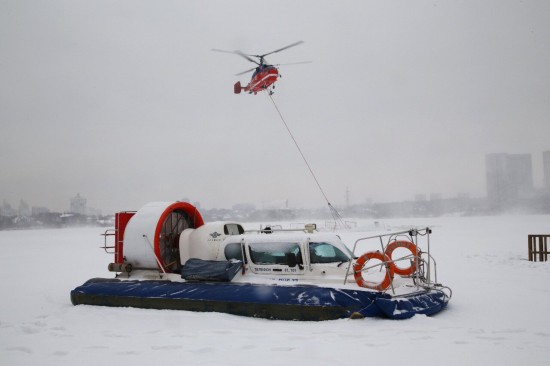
509	178
78	205
546	169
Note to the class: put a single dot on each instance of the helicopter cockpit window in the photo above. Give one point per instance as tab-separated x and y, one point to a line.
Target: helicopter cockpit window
326	253
274	253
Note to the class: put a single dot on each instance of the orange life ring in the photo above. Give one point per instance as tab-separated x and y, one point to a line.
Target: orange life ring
358	274
403	244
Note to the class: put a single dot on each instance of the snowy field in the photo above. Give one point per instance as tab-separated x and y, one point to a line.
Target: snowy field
499	313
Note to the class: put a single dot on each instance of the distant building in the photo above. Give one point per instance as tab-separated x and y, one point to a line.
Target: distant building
420	197
509	179
7	210
24	209
435	197
37	210
78	205
546	169
243	207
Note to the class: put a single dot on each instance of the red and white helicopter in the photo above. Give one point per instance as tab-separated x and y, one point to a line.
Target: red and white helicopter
265	75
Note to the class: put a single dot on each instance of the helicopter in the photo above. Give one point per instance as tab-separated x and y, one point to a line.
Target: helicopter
265	75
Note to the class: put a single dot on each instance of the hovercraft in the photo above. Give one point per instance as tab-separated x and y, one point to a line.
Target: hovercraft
166	257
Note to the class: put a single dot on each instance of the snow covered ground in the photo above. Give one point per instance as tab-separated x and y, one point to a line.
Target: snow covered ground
499	313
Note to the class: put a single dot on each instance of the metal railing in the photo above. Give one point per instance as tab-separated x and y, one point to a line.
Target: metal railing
108	248
269	229
426	264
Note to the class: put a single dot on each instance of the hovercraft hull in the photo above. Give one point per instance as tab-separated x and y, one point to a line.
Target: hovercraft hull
299	302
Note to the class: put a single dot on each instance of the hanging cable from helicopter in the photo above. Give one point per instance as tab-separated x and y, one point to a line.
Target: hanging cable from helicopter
333	211
263	79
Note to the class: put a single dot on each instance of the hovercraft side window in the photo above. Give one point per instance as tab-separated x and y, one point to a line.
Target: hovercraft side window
233	251
274	253
326	253
233	229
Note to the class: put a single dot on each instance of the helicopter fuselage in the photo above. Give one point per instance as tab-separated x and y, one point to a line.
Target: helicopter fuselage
262	79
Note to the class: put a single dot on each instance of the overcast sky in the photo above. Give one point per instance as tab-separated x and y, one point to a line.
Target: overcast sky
125	103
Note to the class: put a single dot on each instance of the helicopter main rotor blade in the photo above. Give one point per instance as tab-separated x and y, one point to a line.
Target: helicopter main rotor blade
237	52
245	72
282	49
295	63
246	57
224	51
290	63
